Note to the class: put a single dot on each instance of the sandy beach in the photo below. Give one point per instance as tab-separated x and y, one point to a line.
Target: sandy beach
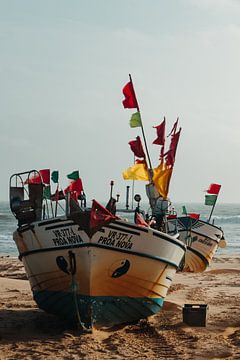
28	333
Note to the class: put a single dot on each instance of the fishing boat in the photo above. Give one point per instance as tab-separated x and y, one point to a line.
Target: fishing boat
94	268
88	265
202	237
202	240
117	273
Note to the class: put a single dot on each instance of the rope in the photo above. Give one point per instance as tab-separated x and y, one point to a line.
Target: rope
74	288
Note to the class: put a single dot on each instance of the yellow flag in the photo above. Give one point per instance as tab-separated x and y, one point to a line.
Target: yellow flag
161	179
136	172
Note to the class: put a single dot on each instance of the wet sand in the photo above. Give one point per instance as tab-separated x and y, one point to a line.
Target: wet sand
29	333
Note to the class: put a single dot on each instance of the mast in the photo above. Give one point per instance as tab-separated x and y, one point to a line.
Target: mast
143	133
212	209
213	191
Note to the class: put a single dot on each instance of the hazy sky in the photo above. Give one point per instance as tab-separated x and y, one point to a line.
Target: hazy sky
63	65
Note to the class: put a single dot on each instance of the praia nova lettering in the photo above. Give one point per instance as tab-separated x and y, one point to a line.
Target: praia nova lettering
205	241
116	239
66	237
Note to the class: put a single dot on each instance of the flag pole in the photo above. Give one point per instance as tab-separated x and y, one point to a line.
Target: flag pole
143	133
133	182
56	200
212	209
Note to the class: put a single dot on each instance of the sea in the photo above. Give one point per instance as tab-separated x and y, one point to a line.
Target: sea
226	216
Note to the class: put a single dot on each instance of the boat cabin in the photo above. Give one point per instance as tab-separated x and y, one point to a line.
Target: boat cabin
29	200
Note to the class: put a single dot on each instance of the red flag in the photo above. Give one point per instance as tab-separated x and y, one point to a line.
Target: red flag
160	140
99	217
174	128
130	100
140	221
137	148
140	161
58	195
170	155
194	216
172	216
75	185
214	189
45	175
35	179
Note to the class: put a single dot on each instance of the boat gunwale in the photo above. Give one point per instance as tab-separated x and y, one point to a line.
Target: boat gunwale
141	229
200	234
89	245
204	222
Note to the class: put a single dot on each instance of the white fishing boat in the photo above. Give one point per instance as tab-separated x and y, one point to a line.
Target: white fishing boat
87	265
120	273
201	238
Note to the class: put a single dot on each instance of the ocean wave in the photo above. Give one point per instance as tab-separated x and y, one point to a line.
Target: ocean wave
6	236
6	215
227	219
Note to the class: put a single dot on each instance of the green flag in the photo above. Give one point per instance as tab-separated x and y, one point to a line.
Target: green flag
210	199
47	192
135	120
74	175
184	210
54	176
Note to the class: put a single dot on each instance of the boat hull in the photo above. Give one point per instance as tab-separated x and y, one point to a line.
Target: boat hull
121	274
101	298
202	240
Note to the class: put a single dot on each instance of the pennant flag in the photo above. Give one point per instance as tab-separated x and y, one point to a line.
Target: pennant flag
184	210
45	175
59	195
35	179
161	179
74	175
67	189
137	148
47	192
214	189
174	128
135	120
136	172
210	199
55	176
130	100
172	216
99	217
140	221
170	155
75	185
160	140
194	216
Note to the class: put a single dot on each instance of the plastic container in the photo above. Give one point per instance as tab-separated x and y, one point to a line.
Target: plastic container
195	314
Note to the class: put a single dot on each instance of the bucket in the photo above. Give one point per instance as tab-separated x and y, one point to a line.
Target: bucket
195	314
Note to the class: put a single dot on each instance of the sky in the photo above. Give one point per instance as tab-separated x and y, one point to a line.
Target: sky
63	64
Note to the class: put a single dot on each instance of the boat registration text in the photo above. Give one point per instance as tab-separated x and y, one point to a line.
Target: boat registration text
116	239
